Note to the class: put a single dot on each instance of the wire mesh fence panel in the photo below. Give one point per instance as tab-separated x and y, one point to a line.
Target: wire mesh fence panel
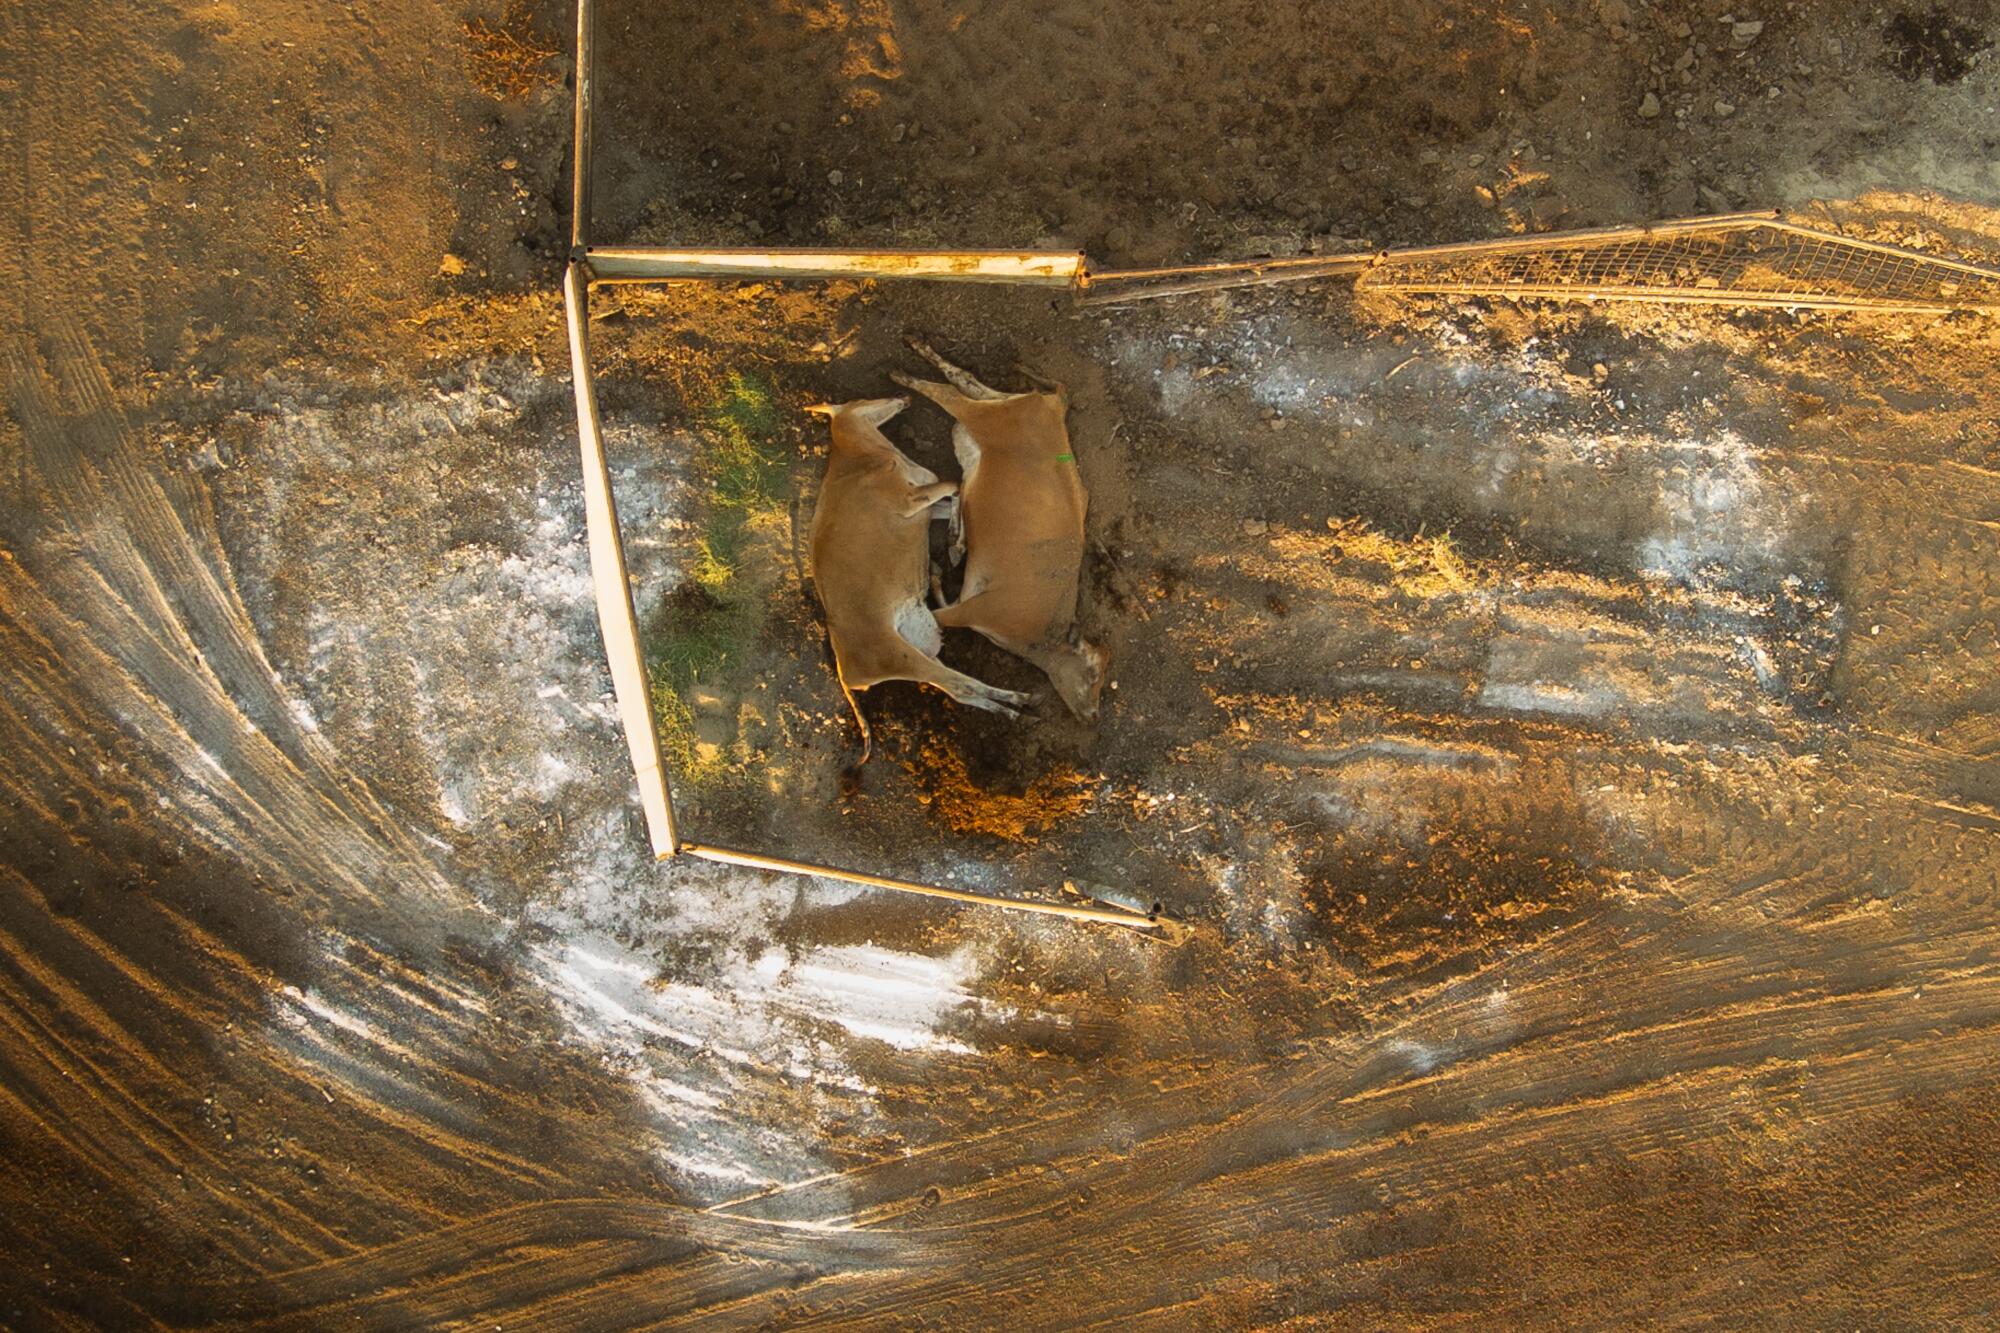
1733	262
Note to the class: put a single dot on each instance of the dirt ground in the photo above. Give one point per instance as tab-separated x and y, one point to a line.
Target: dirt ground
1566	733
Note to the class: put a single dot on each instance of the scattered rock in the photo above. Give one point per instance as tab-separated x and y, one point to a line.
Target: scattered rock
1744	33
451	265
1255	527
1600	372
902	129
1725	109
835	177
509	163
1649	106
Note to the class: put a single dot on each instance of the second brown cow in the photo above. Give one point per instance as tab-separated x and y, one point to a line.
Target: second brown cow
1019	527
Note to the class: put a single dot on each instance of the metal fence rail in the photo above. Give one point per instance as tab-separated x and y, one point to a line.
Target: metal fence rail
1740	260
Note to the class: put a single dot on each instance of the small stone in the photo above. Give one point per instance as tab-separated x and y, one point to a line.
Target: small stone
1210	29
1600	372
1429	157
1746	32
451	265
1279	423
1255	527
1725	109
899	132
835	177
509	163
1649	106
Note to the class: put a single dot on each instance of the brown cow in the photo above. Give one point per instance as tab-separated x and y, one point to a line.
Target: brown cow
1019	527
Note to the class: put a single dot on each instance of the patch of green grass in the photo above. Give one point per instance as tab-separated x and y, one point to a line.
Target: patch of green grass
715	617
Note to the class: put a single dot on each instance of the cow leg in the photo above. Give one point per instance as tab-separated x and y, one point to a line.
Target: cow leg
912	662
967	451
964	614
960	379
1042	382
921	498
974	693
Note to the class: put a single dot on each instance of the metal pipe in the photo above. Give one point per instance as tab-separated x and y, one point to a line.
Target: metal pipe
586	59
651	263
612	584
1111	287
1669	296
785	866
1103	288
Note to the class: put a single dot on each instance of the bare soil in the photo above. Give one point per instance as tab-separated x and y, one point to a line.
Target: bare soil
1569	734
